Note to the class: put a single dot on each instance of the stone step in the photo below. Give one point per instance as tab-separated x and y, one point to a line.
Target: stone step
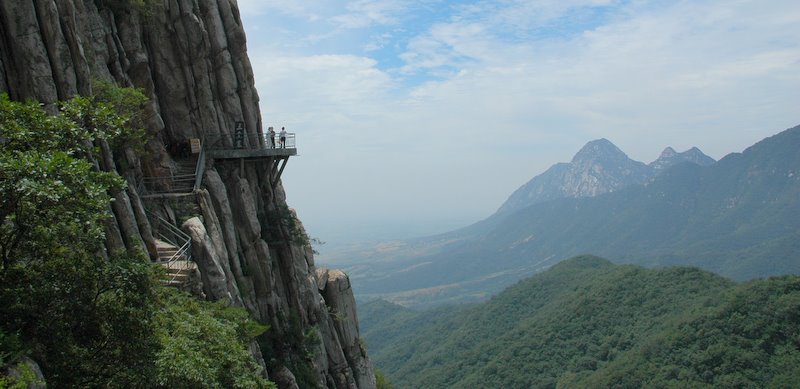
162	244
182	271
166	254
180	264
186	166
177	277
177	272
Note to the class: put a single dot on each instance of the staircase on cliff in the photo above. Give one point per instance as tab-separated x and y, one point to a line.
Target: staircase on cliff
174	251
173	246
185	174
183	179
178	263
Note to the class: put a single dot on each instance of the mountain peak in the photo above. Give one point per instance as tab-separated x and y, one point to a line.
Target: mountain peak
599	149
599	167
670	157
668	153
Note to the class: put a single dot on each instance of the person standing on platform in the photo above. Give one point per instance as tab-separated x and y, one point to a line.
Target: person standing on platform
283	137
271	138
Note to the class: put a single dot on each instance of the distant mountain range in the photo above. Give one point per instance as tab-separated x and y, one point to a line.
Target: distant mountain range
738	217
598	168
586	323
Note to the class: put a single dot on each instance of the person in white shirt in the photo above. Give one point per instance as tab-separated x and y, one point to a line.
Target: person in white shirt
283	137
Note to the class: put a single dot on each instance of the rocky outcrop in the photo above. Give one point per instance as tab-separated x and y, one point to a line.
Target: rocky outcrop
338	293
599	167
28	372
189	57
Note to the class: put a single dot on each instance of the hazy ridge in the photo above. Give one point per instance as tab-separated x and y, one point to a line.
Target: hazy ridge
736	217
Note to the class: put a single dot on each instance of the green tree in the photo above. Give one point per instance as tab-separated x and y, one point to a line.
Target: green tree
50	197
381	381
204	345
86	319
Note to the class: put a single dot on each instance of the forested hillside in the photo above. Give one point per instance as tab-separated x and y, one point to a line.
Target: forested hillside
589	323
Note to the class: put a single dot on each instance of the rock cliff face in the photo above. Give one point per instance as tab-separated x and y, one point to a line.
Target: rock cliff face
189	56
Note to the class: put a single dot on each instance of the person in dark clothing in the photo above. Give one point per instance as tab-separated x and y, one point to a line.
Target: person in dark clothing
185	149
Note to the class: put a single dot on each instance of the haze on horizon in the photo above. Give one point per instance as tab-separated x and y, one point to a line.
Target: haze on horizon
417	117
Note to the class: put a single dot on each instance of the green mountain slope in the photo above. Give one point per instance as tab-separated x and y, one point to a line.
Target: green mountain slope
752	339
738	217
589	323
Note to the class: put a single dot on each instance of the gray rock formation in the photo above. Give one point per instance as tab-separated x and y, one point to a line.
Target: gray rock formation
189	57
337	291
599	167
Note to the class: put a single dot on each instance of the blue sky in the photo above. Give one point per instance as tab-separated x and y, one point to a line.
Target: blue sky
415	117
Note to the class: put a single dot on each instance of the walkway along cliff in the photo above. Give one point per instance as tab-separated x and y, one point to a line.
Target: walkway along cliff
189	56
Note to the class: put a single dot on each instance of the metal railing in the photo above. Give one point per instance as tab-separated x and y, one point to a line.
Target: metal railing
251	141
199	169
167	231
169	184
174	183
173	235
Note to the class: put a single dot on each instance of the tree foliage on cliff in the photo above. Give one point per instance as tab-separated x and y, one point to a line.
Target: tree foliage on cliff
51	197
88	320
201	345
588	323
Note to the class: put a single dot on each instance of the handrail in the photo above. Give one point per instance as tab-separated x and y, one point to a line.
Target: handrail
180	177
181	252
184	250
251	141
181	183
171	234
145	184
201	162
171	227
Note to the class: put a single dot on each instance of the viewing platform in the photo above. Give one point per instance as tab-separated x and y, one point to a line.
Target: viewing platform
250	146
187	173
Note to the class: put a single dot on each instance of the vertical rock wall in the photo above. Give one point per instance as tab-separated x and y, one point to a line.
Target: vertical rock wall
189	56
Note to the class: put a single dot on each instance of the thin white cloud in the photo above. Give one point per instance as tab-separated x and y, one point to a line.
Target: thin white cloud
363	13
284	7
